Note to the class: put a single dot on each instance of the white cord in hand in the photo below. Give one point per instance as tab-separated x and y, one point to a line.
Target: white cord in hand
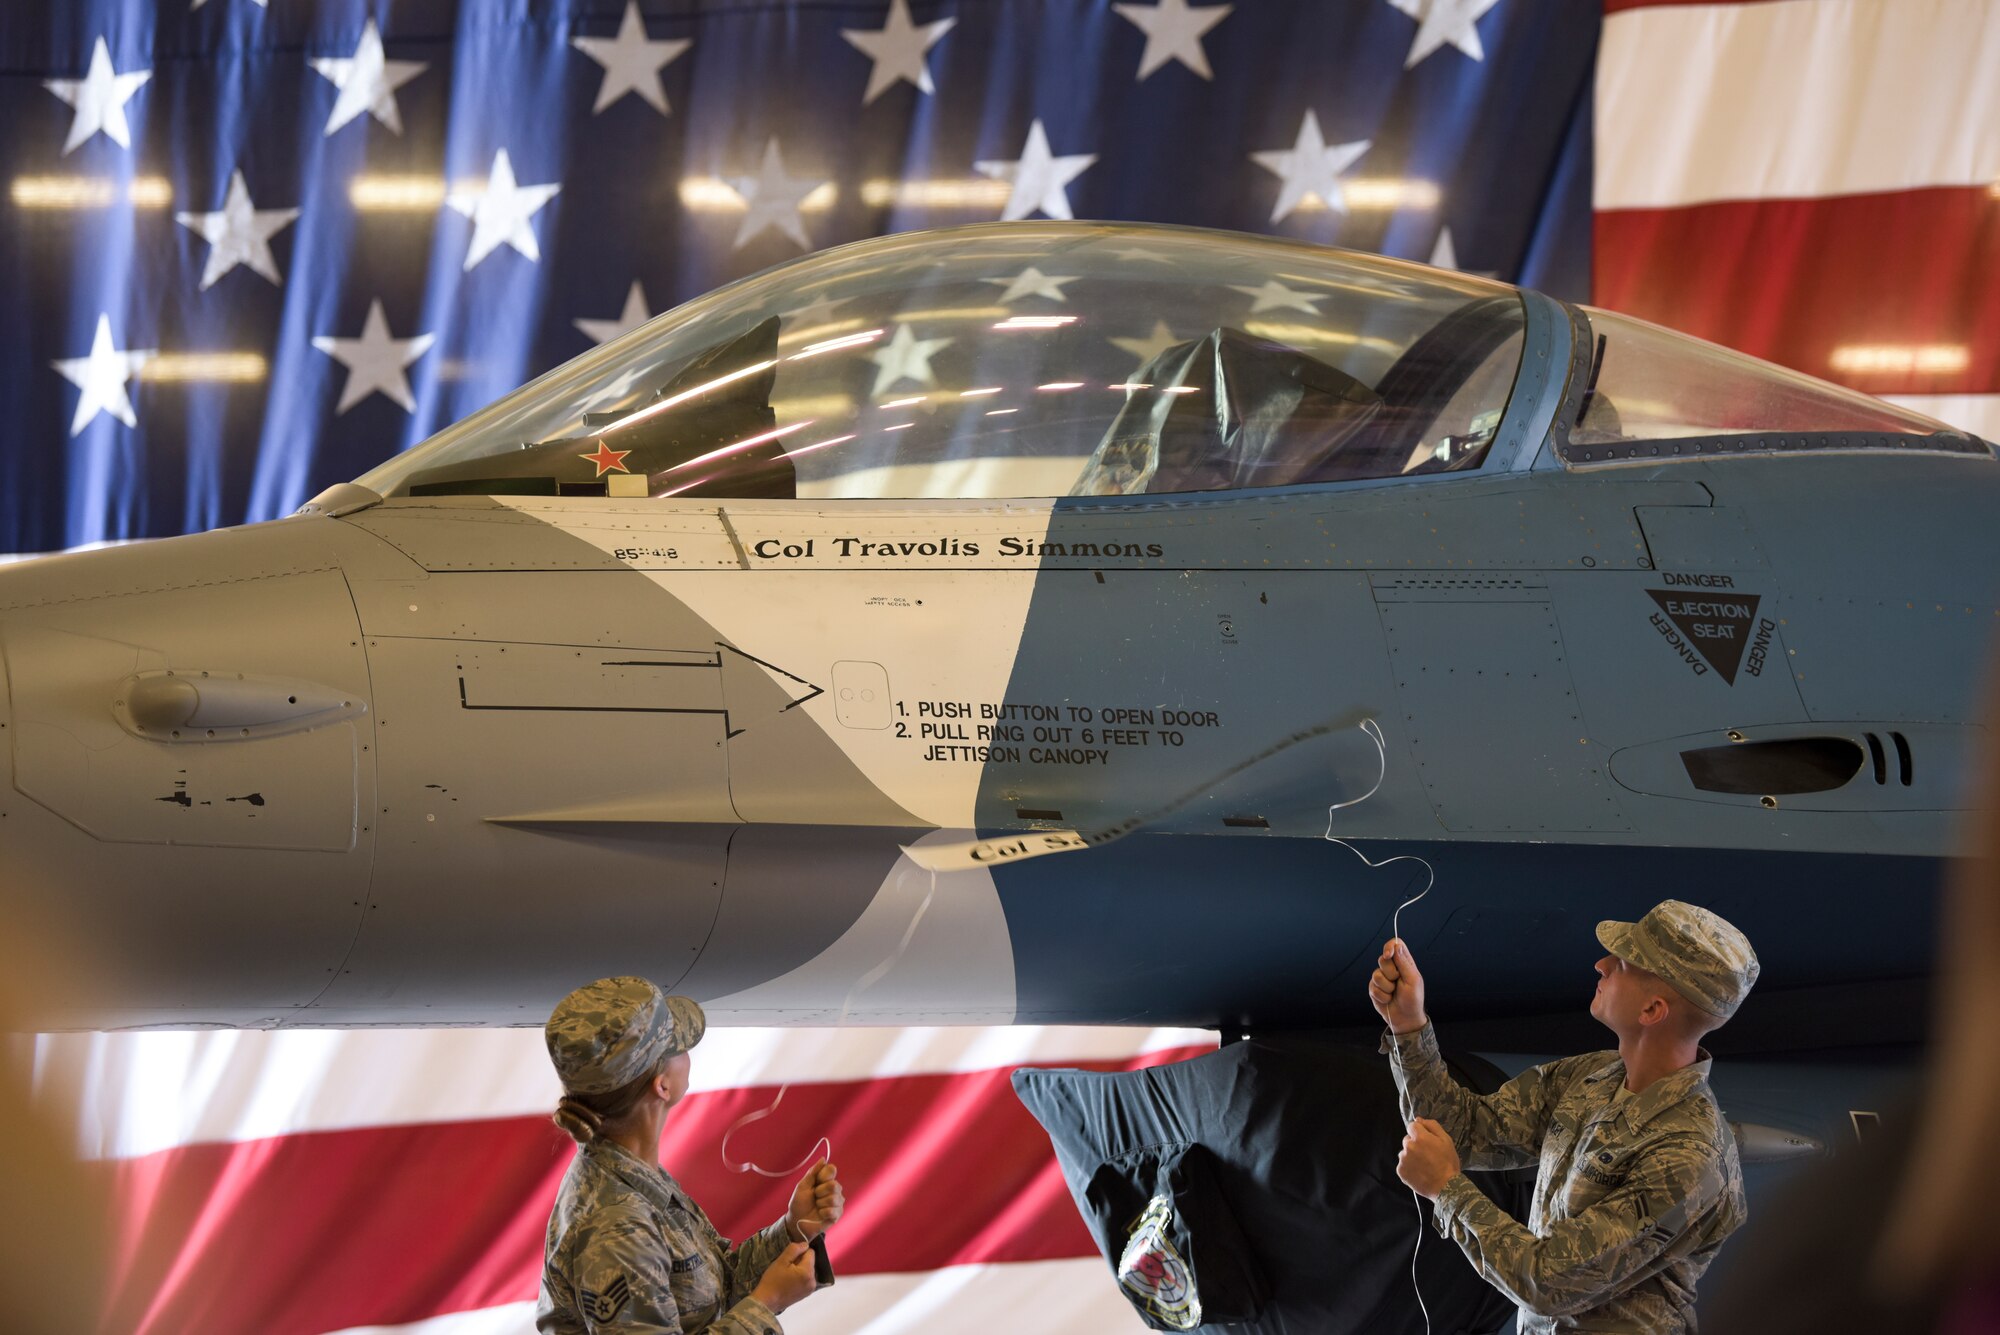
861	984
1395	930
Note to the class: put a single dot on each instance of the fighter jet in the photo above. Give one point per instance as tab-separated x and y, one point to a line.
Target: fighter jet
1007	623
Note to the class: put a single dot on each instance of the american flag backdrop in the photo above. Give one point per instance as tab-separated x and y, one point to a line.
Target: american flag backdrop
255	246
400	1180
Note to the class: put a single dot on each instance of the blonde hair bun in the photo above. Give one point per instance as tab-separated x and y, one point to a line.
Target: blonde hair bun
580	1122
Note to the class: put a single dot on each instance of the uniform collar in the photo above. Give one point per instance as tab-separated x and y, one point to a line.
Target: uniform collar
649	1180
1666	1092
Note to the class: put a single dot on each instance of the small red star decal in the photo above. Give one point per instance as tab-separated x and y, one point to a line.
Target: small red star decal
607	459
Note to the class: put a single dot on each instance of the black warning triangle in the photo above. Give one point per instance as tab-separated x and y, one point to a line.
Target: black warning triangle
1716	624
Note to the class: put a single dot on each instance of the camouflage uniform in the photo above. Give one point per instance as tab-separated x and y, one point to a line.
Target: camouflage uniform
627	1250
608	1033
1635	1193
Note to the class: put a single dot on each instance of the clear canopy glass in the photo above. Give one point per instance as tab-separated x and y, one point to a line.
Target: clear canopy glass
1651	383
1028	359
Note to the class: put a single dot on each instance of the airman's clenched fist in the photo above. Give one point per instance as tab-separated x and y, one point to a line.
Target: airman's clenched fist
1397	989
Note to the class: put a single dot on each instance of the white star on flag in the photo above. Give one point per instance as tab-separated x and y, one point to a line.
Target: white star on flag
1031	282
1140	255
774	199
367	81
1038	177
906	357
240	234
1173	32
898	49
1444	255
1152	345
632	61
375	361
1442	21
1275	296
634	315
101	376
502	213
814	313
99	98
1310	167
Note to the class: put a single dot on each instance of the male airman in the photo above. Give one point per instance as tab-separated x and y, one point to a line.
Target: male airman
1638	1182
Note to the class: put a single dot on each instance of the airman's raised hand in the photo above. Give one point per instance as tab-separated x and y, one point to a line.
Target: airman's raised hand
1397	989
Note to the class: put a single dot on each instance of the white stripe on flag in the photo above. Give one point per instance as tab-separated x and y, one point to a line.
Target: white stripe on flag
1795	99
138	1093
1074	1297
512	1319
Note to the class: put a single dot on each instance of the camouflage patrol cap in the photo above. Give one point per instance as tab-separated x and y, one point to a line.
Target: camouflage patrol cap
1708	961
611	1032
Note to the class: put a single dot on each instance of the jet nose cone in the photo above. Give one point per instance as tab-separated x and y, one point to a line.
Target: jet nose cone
185	730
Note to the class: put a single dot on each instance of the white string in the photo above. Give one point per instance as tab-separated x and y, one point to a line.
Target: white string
750	1165
1395	931
861	984
881	971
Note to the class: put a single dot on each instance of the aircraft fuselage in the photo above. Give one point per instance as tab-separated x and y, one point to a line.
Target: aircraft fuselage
454	753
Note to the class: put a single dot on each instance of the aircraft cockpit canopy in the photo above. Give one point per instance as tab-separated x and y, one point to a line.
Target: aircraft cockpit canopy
1652	384
1013	360
1088	359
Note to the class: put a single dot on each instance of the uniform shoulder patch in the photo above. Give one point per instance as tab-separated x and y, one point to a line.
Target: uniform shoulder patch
603	1304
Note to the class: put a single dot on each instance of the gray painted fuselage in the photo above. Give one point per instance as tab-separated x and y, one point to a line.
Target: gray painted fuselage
514	758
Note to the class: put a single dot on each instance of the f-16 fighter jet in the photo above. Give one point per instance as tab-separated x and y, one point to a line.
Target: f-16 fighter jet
992	625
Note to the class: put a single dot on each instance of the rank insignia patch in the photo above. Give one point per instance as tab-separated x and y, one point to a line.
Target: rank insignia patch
604	1305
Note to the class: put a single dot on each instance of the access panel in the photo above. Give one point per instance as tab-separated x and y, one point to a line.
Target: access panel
1483	685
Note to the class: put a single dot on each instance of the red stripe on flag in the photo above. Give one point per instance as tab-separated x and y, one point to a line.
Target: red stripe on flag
319	1231
1794	280
314	1232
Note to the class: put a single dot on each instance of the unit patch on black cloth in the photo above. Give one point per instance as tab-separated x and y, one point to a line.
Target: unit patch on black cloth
604	1305
1152	1270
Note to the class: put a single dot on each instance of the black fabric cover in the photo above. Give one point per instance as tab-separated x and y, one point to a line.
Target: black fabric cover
1254	1189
